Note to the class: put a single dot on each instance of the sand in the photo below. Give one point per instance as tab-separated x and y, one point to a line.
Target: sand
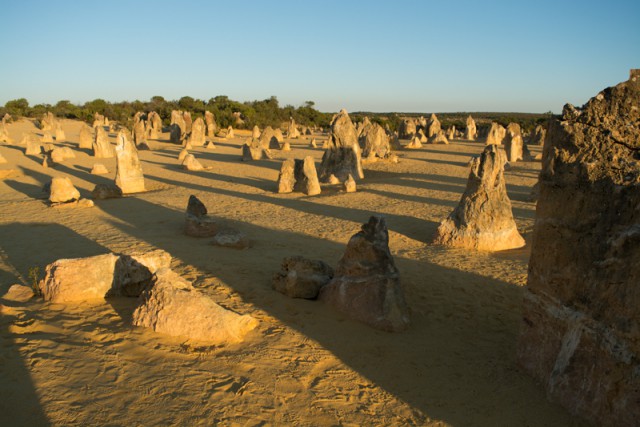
84	364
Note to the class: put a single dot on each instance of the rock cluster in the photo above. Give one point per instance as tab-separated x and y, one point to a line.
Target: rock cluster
483	219
374	141
580	335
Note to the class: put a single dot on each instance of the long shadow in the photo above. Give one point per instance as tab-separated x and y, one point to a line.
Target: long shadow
432	377
414	229
19	402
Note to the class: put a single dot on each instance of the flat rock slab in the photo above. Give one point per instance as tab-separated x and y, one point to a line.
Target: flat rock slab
174	307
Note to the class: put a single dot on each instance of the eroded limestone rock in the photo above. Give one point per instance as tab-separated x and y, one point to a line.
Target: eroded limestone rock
483	219
342	157
580	335
301	277
129	177
366	285
172	306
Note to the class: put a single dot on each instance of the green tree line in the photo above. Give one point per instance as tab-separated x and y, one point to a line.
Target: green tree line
262	113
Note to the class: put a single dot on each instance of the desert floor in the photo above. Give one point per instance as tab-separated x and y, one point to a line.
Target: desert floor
304	364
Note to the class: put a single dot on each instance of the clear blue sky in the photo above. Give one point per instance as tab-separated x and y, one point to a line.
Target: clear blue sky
420	56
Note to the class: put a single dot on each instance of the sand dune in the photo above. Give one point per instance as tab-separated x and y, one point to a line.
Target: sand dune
304	364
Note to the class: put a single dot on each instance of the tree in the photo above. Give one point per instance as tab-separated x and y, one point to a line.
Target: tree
17	107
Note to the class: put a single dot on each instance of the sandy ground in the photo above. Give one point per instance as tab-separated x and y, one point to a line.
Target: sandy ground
304	365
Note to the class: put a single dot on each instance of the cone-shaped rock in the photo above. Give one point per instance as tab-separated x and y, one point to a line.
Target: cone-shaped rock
580	334
483	219
342	156
62	191
190	163
129	177
366	285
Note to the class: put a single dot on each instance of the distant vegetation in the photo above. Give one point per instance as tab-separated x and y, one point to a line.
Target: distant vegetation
263	113
267	112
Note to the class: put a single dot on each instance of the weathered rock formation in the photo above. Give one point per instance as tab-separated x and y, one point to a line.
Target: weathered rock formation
301	277
154	125
106	191
48	122
374	141
268	139
483	219
197	222
537	136
102	148
407	129
59	133
496	134
62	190
175	133
190	163
99	169
139	133
366	285
342	157
286	178
86	137
580	335
210	121
438	138
451	133
513	143
293	131
231	238
197	136
100	276
414	143
172	306
434	126
306	177
256	132
60	154
47	138
129	177
254	150
471	132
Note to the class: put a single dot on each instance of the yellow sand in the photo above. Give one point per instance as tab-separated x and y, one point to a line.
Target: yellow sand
304	365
